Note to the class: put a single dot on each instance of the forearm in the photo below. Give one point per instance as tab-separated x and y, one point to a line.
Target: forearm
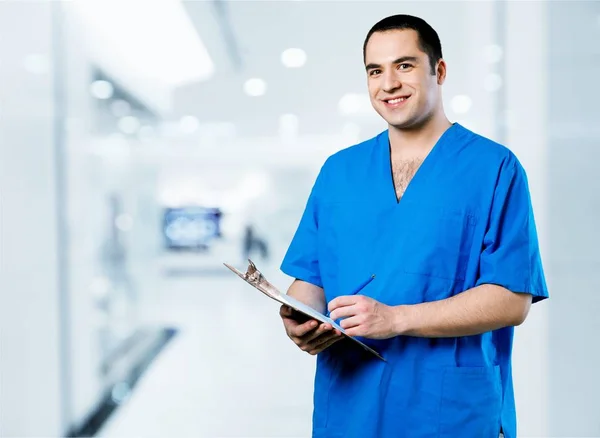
478	310
309	294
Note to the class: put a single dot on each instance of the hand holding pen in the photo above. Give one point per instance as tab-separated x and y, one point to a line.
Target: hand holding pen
363	316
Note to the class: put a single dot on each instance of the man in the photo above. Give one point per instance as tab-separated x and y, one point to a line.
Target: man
442	217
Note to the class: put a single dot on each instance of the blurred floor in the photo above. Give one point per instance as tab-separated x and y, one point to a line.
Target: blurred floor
229	372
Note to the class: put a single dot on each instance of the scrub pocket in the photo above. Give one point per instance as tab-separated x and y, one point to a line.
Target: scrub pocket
439	240
471	402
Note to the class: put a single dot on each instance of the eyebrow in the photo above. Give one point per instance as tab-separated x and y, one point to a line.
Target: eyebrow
396	61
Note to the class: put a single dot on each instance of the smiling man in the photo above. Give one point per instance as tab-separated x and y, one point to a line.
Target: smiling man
442	217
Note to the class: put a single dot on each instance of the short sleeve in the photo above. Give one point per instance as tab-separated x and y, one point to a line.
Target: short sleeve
301	260
511	254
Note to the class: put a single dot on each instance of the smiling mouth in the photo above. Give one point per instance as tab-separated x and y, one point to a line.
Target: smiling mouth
396	100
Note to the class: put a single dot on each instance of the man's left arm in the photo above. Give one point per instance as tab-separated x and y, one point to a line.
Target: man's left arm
478	310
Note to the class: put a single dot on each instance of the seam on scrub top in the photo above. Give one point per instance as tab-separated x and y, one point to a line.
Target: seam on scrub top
439	413
433	275
330	384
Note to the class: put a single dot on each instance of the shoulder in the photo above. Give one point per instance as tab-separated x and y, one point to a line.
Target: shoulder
487	153
353	155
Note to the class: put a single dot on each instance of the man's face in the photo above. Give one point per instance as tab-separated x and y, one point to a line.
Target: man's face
401	87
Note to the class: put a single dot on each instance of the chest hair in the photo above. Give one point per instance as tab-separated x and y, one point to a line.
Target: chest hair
403	172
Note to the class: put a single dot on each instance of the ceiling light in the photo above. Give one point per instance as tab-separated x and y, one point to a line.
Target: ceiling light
293	58
493	82
129	124
255	87
189	124
461	104
354	103
101	89
493	53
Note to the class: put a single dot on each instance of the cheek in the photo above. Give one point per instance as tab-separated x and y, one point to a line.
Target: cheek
424	92
373	90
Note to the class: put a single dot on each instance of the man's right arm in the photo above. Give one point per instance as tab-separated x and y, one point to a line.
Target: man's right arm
309	336
309	294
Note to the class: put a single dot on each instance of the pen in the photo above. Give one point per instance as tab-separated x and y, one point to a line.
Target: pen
362	286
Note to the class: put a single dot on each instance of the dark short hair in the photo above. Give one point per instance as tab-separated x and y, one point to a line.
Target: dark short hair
429	41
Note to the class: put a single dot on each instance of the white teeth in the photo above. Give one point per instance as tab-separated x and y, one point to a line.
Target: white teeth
398	100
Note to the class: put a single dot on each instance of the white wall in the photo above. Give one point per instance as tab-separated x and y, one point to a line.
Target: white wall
30	378
573	161
553	65
94	174
526	134
82	218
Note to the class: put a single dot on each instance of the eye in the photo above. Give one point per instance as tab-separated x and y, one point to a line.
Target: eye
374	72
404	66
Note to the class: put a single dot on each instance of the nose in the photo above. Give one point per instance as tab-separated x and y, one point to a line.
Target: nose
391	82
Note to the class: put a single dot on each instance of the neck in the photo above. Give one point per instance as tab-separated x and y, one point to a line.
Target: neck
418	139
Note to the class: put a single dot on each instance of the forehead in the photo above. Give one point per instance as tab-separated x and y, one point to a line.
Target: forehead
391	44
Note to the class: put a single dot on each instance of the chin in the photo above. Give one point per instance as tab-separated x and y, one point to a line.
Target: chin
402	123
399	121
408	122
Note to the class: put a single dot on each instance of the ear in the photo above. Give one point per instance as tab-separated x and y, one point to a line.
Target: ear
440	71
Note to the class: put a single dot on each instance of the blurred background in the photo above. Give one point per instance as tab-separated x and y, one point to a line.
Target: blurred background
144	143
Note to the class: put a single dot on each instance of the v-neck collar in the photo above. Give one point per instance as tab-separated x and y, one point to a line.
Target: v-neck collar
387	152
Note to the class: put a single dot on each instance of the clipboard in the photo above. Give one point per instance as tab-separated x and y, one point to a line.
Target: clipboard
257	280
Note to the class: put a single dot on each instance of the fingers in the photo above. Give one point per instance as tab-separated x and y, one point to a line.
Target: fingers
354	321
342	301
343	312
300	330
292	326
317	339
285	311
326	336
288	312
324	345
314	337
322	330
309	336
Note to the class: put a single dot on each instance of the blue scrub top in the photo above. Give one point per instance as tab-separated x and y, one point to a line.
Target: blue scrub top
465	220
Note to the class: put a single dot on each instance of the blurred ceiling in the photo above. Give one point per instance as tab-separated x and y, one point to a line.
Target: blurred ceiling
246	38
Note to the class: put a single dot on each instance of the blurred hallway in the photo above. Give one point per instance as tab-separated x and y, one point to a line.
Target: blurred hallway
229	372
